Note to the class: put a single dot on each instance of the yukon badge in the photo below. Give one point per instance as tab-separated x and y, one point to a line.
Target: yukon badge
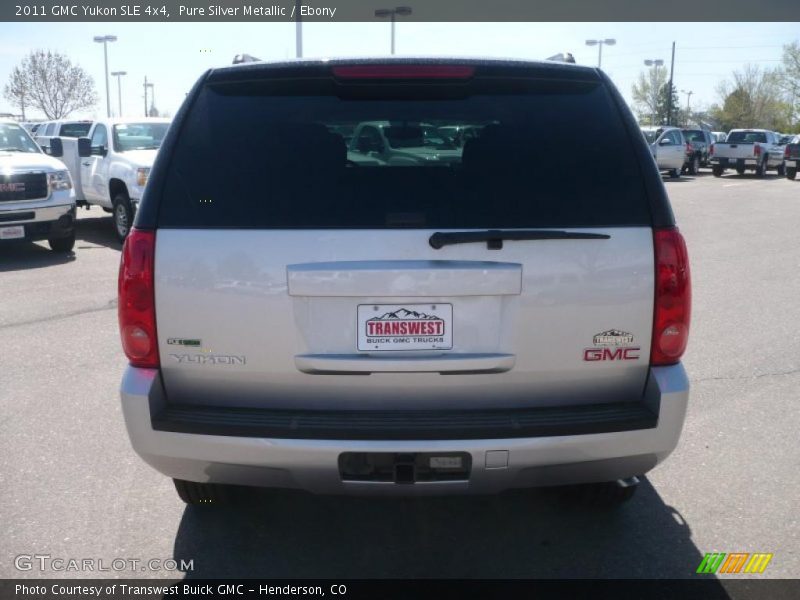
208	359
612	345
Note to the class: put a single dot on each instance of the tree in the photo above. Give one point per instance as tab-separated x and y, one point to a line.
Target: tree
755	98
663	105
16	90
790	81
646	93
49	82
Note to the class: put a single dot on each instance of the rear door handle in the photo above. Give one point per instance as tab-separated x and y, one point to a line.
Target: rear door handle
87	164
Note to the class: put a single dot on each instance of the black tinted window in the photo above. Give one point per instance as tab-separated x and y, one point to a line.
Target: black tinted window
747	137
249	157
75	129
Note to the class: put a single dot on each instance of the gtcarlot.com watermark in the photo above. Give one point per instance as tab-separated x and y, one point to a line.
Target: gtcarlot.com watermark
47	562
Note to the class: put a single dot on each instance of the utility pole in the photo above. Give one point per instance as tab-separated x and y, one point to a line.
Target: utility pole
669	92
298	30
145	95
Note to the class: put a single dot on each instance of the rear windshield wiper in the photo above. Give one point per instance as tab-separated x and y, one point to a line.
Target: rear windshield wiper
494	237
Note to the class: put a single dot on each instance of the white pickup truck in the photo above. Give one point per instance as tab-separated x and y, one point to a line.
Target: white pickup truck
111	165
37	201
747	149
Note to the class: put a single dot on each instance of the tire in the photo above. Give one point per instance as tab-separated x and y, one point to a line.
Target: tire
791	172
694	166
781	169
606	495
740	170
675	173
63	244
108	210
761	170
122	214
717	171
204	494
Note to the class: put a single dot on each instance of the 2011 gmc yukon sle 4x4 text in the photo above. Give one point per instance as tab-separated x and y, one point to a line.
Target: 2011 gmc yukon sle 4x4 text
296	319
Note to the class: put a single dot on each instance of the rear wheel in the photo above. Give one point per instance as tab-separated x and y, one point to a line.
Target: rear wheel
675	173
791	172
64	244
123	216
717	171
781	169
761	170
192	492
740	170
694	166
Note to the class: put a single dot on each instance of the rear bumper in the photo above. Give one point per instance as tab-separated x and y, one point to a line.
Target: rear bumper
40	223
732	163
543	457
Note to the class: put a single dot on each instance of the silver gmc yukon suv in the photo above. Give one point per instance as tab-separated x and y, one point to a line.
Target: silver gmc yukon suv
301	309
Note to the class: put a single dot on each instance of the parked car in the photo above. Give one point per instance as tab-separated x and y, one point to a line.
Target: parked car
495	320
62	129
791	157
668	147
407	143
700	141
747	149
37	200
111	165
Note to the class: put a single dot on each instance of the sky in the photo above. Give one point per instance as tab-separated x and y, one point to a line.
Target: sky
173	55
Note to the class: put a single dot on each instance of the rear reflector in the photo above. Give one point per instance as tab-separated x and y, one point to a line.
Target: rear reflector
136	308
673	297
404	72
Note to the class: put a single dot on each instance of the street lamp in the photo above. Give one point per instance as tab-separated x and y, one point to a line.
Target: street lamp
600	44
152	86
104	39
392	13
688	101
118	75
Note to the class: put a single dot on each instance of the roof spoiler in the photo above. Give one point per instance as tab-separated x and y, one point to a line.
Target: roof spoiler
563	57
244	58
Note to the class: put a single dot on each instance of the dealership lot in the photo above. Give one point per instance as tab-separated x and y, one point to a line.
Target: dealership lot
73	488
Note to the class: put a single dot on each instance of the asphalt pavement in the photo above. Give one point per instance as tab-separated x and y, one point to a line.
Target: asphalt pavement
73	488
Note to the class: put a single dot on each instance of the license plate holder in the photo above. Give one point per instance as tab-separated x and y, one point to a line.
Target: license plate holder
404	327
17	232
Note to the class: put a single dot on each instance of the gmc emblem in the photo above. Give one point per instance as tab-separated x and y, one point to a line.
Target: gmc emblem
594	354
12	187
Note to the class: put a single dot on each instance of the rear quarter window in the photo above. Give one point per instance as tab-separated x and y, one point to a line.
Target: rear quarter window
540	154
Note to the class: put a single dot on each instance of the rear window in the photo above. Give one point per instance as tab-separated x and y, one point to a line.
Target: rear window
539	154
75	130
747	137
693	135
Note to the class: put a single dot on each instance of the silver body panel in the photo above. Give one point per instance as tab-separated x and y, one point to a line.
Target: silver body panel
267	306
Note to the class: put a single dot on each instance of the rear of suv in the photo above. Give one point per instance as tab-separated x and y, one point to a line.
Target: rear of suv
298	314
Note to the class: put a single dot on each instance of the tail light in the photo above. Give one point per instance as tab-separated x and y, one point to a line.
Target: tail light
757	150
689	149
137	310
711	150
786	152
673	297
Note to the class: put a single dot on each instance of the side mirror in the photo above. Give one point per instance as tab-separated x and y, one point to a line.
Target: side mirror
99	150
84	147
56	147
665	142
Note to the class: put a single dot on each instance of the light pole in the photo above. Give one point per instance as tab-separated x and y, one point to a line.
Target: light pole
152	87
688	102
654	63
600	44
118	75
392	13
104	39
